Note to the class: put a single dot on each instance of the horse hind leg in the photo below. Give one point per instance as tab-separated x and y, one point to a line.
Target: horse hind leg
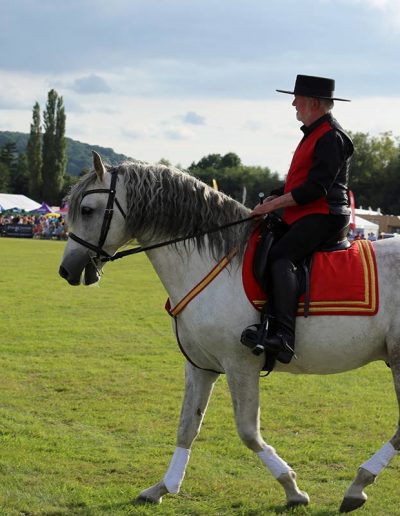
355	496
198	388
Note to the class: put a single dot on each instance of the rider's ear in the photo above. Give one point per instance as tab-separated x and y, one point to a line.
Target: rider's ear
98	165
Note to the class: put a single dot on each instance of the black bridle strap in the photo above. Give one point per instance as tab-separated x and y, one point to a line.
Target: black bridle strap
109	211
88	245
108	214
142	249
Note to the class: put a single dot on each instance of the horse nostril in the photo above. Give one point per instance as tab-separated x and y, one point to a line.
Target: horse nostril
63	272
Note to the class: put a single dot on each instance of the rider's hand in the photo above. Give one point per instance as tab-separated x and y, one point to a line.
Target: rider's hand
265	207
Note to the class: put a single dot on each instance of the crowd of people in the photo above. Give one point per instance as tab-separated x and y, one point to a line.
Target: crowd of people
50	227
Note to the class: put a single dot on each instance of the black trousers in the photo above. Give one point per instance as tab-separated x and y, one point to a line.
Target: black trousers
302	238
305	236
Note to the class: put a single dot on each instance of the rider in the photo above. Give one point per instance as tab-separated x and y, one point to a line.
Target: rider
315	201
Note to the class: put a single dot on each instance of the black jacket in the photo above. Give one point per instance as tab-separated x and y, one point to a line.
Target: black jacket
329	174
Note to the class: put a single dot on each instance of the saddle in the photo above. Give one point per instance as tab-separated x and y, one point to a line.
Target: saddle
273	228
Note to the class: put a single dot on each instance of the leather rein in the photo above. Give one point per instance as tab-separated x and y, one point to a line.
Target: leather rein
103	256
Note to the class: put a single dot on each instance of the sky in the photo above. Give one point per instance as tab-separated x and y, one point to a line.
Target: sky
181	79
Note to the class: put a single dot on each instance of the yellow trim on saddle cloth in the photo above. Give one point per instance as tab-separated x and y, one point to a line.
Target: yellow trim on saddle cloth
221	265
366	306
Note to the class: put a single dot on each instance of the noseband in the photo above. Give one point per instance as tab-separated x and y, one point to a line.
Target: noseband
108	215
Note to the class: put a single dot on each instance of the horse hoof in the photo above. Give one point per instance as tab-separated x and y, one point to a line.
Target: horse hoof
142	500
351	504
301	499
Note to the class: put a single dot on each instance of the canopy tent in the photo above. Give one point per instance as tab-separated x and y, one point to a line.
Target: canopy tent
366	226
43	208
18	202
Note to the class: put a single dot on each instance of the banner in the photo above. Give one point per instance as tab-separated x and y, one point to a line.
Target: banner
18	230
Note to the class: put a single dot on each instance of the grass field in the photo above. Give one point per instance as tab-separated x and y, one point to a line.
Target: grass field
90	392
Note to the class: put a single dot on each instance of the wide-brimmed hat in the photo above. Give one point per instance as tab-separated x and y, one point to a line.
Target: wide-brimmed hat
317	87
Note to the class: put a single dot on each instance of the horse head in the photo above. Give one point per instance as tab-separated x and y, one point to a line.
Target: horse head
97	206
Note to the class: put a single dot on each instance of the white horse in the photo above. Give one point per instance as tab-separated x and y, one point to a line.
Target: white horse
112	205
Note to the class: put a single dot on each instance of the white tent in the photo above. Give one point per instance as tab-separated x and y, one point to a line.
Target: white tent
10	201
366	226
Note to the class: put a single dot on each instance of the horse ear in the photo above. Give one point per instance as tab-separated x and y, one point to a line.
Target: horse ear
98	165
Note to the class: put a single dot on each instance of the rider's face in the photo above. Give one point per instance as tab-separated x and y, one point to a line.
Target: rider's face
304	108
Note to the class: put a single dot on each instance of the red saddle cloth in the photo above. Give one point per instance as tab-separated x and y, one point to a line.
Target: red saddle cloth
341	282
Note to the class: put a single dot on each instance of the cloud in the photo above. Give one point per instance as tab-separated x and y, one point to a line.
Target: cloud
193	118
90	84
390	9
177	133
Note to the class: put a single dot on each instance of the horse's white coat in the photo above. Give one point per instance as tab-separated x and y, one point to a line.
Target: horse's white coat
210	329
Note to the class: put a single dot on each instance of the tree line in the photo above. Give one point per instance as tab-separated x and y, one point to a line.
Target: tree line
40	171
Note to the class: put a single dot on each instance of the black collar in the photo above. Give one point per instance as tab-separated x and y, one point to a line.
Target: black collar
307	129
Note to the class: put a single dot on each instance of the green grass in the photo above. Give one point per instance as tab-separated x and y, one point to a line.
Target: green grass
90	391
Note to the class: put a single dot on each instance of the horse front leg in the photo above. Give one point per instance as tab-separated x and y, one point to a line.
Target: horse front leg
244	389
198	388
355	496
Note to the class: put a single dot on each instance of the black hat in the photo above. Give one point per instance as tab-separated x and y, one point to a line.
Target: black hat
317	87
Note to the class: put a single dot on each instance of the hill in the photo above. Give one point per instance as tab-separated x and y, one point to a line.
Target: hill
79	154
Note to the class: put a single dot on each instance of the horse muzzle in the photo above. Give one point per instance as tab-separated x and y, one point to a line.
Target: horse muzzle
78	268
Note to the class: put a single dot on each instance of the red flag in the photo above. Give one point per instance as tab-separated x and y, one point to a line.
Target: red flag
353	211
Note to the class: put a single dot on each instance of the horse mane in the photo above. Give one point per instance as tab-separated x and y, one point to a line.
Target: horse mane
166	203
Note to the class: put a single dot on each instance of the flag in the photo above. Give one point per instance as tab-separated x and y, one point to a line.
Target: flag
353	211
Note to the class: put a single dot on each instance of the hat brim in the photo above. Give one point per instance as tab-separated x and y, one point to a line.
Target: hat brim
314	96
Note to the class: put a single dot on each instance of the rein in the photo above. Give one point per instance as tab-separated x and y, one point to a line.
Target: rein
141	249
108	214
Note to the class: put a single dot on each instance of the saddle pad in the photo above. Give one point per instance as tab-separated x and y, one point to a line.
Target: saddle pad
341	282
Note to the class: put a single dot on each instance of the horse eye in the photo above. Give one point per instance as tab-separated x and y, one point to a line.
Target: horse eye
85	210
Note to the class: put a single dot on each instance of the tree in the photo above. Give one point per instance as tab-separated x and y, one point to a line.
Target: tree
8	157
4	177
34	155
20	177
235	179
61	147
373	173
54	149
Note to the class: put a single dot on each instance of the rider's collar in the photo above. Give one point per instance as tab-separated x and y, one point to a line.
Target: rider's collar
310	128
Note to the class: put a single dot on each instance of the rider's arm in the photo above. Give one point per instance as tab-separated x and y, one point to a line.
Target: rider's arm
269	204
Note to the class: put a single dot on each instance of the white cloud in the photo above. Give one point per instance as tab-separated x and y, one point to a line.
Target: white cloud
90	84
193	118
390	9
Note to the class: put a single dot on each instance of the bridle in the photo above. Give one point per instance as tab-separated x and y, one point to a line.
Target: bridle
103	256
108	215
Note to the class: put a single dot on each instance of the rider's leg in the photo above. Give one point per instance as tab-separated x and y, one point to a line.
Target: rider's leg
302	238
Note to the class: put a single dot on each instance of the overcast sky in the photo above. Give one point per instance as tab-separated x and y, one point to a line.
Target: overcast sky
180	79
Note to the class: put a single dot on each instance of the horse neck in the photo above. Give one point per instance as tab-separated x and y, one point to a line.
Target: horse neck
180	269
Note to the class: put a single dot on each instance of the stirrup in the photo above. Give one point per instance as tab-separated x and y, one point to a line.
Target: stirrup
253	337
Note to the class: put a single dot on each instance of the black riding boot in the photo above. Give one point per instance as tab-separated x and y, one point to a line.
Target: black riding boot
285	298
